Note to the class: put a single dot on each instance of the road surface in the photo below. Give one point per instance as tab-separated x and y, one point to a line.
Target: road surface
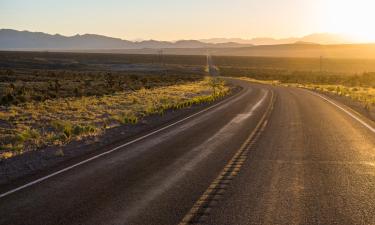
312	163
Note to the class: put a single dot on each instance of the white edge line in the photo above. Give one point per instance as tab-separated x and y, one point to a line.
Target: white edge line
346	111
109	151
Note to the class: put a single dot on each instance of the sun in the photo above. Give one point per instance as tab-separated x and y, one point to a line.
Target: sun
355	18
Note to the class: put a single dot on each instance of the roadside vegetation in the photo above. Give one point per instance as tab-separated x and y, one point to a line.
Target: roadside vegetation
21	86
31	124
362	92
364	95
289	65
348	78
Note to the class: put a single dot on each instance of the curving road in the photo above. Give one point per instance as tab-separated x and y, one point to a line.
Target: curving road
312	164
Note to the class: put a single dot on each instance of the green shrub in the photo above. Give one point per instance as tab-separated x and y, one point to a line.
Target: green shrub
27	135
79	129
63	127
130	120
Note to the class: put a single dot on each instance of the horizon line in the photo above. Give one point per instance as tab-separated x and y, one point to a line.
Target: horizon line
352	40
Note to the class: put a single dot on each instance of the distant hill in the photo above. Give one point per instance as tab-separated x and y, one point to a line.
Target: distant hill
25	40
318	38
308	46
298	49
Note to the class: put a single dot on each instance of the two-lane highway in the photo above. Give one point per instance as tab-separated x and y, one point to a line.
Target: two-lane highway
153	181
312	164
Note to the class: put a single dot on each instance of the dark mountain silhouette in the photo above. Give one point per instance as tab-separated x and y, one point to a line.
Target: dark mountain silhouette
308	46
25	40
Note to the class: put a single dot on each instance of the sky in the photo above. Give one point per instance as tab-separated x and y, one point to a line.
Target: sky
191	19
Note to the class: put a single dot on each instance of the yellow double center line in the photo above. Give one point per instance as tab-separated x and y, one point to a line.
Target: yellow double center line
213	193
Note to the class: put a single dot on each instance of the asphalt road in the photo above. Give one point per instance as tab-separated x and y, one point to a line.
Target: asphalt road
312	164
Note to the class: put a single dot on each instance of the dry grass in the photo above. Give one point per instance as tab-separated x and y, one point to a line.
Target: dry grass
20	86
34	125
364	95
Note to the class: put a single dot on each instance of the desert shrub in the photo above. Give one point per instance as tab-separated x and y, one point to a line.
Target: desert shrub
125	118
46	84
215	83
303	77
63	127
78	130
8	99
62	120
27	135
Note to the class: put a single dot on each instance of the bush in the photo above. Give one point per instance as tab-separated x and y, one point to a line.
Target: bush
79	130
8	99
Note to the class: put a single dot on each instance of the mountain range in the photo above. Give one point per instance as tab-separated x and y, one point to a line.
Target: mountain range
317	38
26	40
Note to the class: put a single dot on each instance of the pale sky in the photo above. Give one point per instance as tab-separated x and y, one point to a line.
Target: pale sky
191	19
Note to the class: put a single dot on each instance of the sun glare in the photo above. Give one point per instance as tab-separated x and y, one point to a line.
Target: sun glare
353	18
